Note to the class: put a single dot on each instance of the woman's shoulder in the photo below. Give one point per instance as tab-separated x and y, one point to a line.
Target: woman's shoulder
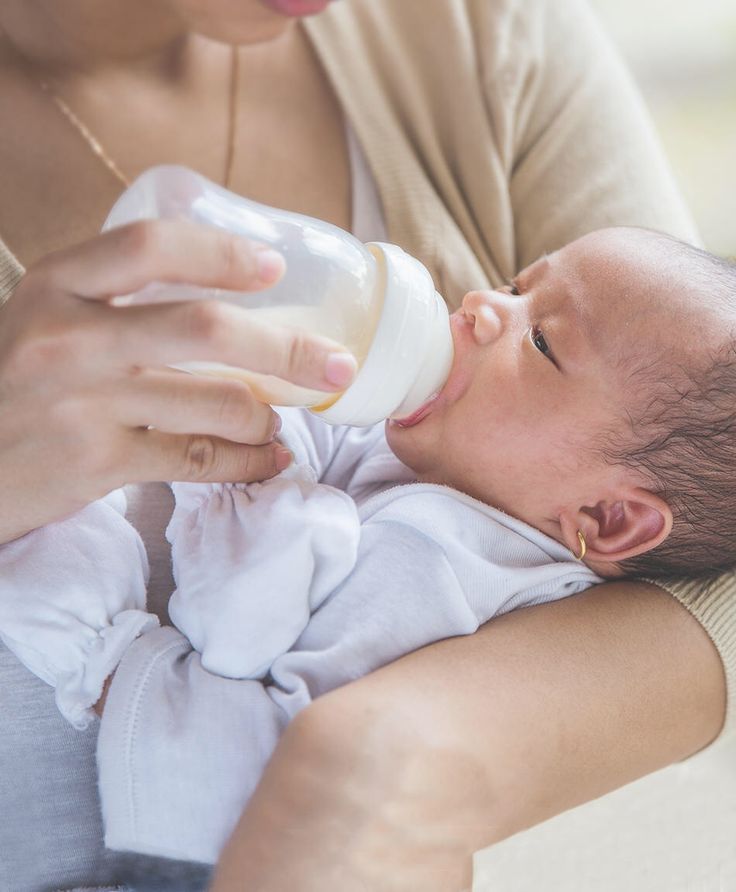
440	31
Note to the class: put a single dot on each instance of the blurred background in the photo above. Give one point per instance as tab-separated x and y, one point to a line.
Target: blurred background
683	56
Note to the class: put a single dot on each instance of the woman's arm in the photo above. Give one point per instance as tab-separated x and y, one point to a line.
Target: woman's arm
391	783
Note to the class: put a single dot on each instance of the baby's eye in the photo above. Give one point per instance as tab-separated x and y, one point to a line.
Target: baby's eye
540	342
514	289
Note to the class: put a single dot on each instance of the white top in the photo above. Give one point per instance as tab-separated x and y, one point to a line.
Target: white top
345	562
293	586
150	504
296	588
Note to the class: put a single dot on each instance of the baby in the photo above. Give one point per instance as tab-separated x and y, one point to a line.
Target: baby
585	431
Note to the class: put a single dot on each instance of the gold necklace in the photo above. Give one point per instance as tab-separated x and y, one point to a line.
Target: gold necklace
99	150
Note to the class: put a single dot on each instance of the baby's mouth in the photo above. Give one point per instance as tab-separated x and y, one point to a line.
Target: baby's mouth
457	321
420	413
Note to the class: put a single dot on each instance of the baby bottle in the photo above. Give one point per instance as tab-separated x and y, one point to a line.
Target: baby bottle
374	299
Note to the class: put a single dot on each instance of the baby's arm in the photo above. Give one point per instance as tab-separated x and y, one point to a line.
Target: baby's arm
193	744
73	593
423	572
252	562
73	598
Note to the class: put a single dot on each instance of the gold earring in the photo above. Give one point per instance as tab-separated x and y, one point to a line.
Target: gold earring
583	547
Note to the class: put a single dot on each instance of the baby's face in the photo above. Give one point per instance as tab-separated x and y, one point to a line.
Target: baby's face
543	374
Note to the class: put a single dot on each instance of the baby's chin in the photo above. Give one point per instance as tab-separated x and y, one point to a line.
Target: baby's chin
409	447
419	452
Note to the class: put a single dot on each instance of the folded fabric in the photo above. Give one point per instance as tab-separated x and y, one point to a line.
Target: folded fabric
253	562
73	598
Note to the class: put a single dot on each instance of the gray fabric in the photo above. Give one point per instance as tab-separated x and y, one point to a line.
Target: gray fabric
51	830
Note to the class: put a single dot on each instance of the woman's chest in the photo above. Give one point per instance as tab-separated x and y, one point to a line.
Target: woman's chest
287	138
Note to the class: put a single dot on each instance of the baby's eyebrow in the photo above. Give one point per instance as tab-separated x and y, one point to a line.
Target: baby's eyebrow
535	269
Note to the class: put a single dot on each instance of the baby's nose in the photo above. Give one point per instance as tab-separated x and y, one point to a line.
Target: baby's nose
480	307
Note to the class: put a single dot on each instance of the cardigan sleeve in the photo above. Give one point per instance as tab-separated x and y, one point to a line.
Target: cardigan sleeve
713	604
578	144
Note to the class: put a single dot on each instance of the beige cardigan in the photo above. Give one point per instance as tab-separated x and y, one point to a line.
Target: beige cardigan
497	130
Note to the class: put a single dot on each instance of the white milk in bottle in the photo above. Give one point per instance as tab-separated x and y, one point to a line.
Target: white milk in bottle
376	300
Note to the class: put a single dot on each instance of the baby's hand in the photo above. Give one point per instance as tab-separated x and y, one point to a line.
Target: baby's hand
99	707
72	599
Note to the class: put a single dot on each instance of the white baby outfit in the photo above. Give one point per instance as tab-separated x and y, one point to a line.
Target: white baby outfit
294	586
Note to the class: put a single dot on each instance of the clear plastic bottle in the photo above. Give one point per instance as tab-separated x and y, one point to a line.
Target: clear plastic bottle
375	299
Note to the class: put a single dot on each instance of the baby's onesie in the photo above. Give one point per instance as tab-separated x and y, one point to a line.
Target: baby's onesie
290	587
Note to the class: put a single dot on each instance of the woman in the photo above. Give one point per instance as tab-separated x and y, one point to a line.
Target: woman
494	132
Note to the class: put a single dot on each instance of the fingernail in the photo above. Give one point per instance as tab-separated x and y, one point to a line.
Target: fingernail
270	265
340	369
277	424
283	459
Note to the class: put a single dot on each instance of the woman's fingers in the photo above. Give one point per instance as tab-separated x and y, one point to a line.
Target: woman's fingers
126	259
154	455
165	334
178	403
81	380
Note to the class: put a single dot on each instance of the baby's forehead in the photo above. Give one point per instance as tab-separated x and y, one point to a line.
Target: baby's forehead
627	260
646	287
640	307
656	315
651	263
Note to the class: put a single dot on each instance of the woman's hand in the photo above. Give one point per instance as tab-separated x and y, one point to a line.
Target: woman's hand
82	381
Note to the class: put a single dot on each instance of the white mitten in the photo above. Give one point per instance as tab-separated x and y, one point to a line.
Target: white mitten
253	562
72	598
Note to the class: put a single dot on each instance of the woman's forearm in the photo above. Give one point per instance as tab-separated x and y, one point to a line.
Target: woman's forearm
390	783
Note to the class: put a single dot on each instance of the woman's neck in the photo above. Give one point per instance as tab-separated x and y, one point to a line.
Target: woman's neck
168	104
82	36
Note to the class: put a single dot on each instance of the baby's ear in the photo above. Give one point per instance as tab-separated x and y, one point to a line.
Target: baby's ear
635	522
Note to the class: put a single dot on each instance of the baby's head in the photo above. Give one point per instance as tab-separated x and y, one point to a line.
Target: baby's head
598	393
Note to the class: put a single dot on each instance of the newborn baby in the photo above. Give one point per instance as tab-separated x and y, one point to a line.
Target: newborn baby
585	431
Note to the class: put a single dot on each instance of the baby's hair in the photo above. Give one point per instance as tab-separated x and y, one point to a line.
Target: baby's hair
684	438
